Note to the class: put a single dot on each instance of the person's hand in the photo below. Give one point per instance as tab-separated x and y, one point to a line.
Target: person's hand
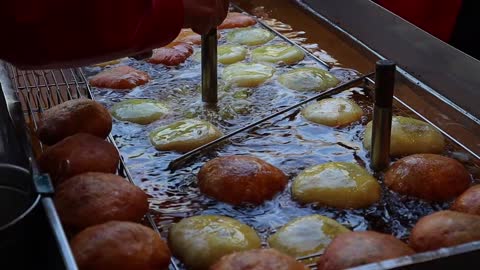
203	15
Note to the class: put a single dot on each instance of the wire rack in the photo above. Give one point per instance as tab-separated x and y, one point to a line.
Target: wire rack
40	90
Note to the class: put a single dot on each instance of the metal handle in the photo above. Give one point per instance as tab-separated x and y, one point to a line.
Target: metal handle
382	114
209	67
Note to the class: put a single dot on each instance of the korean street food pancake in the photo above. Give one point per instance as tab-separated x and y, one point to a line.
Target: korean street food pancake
247	74
200	241
336	184
427	176
306	236
188	36
241	179
122	77
140	111
468	201
410	136
173	54
250	36
184	135
71	117
308	79
333	112
278	54
236	20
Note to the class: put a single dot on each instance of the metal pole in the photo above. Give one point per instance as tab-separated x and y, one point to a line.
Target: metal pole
382	114
209	67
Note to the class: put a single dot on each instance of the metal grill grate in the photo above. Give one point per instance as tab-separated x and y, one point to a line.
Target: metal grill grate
40	90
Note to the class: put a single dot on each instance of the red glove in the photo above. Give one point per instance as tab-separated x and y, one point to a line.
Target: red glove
56	33
438	17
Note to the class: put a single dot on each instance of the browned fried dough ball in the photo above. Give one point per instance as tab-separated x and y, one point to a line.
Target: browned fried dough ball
427	176
235	20
123	77
357	248
444	229
258	259
72	117
94	198
241	179
120	245
469	201
78	154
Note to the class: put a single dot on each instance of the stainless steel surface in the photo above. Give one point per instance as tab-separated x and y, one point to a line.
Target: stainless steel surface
450	75
181	161
382	114
209	67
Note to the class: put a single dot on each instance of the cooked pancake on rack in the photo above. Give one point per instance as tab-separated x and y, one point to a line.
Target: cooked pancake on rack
250	36
247	74
358	248
333	112
123	77
140	111
336	184
78	154
241	179
95	198
120	245
306	236
200	241
278	54
468	201
227	54
429	177
173	54
188	36
444	229
236	20
308	79
410	136
258	259
72	117
184	135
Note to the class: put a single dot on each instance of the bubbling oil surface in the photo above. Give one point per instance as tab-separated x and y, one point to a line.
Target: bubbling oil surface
289	142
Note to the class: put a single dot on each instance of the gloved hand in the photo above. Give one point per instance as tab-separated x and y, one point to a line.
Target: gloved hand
203	15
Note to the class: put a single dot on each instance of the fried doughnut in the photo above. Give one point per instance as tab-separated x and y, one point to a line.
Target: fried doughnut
358	248
308	79
188	36
72	117
333	112
236	20
140	111
120	245
123	77
427	176
305	236
184	135
258	259
468	201
247	75
94	198
444	229
278	54
250	36
336	184
173	54
410	136
241	179
78	154
200	241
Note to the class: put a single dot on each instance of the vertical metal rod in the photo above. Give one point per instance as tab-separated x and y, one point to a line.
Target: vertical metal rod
209	67
382	114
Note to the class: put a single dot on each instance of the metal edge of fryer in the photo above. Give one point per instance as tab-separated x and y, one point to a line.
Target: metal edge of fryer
12	114
434	65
